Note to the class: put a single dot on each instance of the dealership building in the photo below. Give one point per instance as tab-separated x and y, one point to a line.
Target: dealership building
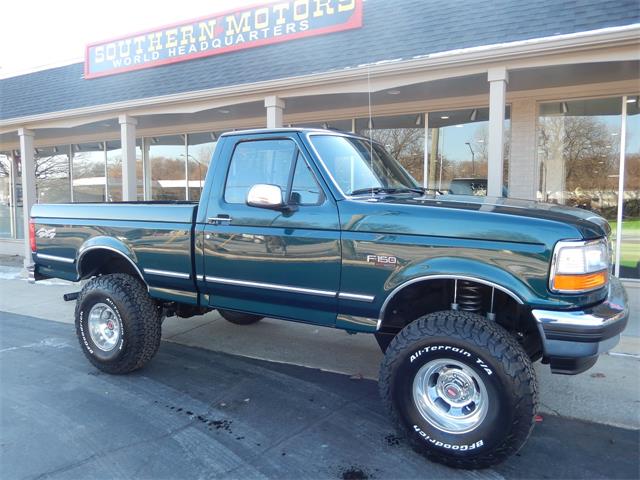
527	99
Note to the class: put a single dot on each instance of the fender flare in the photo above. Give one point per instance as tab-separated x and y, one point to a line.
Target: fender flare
107	243
457	269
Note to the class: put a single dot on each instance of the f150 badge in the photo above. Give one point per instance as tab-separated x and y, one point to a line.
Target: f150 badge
385	260
43	232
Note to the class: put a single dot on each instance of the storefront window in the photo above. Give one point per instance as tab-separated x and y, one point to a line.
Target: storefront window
53	174
6	204
166	167
458	151
579	160
114	171
402	136
89	172
200	147
630	243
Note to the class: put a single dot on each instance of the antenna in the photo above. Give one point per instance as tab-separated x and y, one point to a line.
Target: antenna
370	124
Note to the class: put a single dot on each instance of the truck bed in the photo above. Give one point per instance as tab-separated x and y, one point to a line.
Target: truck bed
156	237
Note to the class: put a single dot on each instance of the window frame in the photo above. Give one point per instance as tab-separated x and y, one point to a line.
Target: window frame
297	153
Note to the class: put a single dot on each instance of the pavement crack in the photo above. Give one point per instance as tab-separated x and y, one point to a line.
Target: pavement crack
548	408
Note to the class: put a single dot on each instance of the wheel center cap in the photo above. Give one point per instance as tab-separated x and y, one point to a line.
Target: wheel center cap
452	392
110	325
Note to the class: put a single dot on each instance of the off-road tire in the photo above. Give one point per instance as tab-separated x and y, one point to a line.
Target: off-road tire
138	315
239	318
511	387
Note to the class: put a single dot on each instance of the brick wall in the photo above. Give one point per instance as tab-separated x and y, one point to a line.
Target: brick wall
523	171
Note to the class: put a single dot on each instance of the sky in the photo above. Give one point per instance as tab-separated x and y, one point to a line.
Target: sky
45	33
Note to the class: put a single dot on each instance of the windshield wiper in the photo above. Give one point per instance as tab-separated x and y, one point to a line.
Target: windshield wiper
375	190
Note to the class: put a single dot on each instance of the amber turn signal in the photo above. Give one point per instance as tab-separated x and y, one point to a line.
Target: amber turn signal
580	283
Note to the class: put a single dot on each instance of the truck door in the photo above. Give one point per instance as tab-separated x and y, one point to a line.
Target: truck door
281	262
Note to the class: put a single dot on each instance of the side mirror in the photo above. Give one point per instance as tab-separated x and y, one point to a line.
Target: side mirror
265	196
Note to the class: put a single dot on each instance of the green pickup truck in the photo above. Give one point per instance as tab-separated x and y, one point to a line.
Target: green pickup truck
462	293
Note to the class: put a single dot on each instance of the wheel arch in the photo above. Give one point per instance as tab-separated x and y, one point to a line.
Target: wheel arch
423	294
103	255
430	278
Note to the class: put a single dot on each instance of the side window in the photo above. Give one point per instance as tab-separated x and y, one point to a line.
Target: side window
258	161
304	189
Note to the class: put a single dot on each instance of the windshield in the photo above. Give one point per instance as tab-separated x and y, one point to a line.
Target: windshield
360	167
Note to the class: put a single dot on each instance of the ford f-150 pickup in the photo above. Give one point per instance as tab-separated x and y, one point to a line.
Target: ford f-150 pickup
463	293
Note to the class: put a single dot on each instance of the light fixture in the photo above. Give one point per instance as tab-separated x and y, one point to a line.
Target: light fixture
480	141
631	99
154	140
325	125
213	136
55	149
394	92
77	147
445	117
564	108
223	110
370	125
614	134
37	150
418	120
474	115
16	153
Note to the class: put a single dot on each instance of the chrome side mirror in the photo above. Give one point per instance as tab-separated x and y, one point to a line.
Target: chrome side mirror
263	195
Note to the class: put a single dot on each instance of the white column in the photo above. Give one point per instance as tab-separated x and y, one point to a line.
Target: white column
498	79
128	140
275	107
28	185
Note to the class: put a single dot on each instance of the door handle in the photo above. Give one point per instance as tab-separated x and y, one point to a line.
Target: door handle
218	219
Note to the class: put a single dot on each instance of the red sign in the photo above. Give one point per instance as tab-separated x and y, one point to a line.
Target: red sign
221	33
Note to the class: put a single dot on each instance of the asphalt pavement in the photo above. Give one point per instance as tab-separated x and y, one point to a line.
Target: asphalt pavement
196	413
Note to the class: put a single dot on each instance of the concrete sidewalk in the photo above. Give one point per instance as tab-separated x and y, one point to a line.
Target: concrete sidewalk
608	393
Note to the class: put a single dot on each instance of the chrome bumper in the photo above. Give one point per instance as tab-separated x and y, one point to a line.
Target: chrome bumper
572	340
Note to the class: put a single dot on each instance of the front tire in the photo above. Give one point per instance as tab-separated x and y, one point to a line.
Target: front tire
460	389
117	323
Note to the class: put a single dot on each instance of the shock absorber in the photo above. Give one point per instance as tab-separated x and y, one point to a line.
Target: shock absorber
469	296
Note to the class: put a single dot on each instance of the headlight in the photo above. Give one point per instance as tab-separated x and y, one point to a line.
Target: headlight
579	267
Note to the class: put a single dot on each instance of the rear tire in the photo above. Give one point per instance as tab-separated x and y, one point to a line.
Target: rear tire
239	318
460	388
117	323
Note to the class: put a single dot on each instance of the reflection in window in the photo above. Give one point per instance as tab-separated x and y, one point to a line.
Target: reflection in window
458	151
114	171
6	207
402	136
200	147
630	238
304	188
89	179
52	174
166	167
579	154
254	162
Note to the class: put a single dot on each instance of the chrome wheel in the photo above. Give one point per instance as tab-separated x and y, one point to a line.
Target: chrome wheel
104	327
450	396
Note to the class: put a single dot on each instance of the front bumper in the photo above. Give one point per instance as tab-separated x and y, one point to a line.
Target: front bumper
572	340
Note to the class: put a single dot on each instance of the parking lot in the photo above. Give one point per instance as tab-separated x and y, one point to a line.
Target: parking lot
194	413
